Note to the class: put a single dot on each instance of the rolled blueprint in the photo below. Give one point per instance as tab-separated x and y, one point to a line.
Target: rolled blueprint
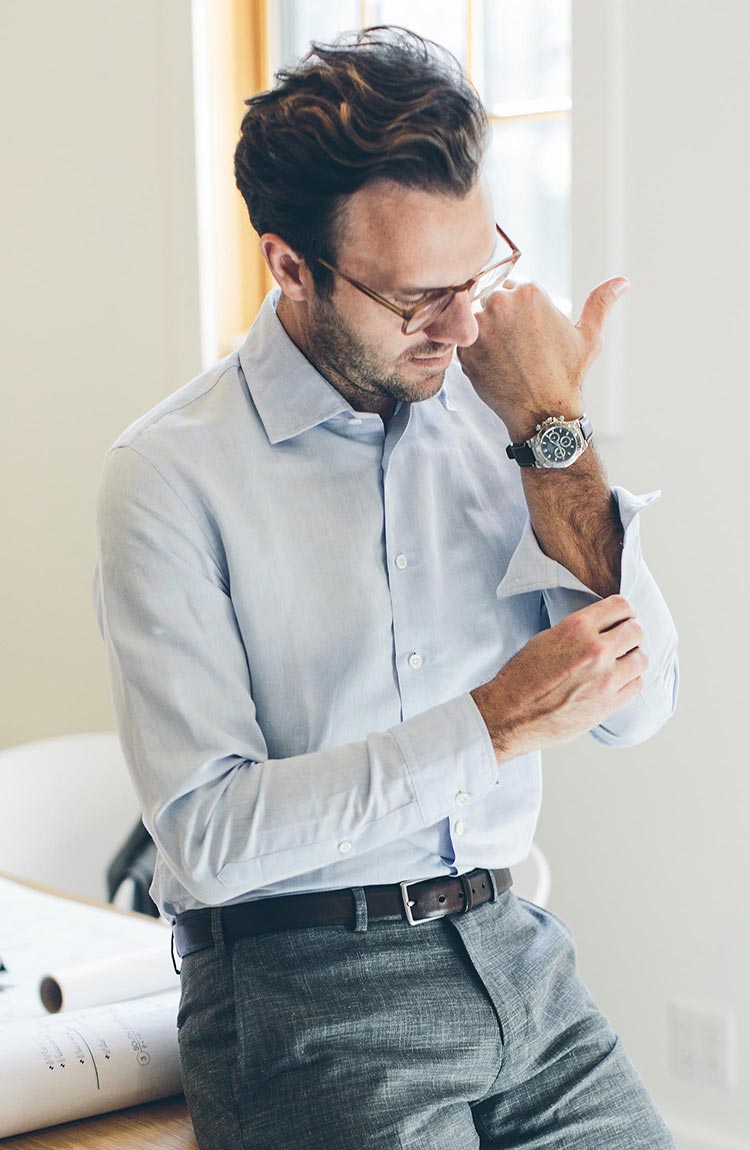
130	975
88	1062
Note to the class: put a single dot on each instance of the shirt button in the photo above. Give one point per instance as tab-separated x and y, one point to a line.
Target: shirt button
355	419
344	847
462	798
415	660
458	827
401	562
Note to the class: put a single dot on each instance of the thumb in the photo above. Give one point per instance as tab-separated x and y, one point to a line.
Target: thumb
598	305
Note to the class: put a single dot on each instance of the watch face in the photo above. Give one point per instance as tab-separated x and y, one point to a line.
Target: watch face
557	445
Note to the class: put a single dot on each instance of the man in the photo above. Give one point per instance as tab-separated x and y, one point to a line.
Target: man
346	601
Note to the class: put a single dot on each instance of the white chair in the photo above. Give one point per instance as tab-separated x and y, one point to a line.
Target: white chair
67	806
531	878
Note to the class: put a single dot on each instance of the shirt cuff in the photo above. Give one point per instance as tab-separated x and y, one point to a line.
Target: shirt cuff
531	570
449	755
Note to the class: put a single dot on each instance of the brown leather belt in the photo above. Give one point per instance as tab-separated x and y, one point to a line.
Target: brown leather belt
415	902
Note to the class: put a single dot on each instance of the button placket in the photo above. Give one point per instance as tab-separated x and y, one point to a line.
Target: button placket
406	594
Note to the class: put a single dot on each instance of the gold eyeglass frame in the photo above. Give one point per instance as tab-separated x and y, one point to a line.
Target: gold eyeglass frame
408	313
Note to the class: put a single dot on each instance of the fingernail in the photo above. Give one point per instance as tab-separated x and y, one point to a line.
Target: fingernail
620	287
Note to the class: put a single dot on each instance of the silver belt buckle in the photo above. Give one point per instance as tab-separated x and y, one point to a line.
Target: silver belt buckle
408	903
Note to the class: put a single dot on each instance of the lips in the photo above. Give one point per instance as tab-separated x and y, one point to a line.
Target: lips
446	355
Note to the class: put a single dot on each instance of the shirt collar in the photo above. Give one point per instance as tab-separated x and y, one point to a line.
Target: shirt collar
290	395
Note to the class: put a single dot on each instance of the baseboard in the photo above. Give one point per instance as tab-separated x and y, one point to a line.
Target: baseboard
689	1136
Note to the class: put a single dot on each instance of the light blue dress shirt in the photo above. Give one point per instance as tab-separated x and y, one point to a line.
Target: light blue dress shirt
296	601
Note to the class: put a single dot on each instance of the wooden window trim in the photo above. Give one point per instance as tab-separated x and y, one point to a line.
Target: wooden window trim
252	74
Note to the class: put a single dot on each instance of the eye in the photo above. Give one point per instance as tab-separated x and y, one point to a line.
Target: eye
416	300
411	300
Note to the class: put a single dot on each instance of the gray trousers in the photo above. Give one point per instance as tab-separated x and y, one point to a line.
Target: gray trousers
469	1031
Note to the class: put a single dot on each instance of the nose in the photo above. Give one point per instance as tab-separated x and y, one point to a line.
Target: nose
457	324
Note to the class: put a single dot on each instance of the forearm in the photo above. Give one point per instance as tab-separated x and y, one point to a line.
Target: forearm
527	363
576	520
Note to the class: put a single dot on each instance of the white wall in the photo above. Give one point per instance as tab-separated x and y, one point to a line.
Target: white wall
649	845
99	307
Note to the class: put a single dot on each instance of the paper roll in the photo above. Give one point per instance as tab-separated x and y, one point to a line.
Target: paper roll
131	975
88	1062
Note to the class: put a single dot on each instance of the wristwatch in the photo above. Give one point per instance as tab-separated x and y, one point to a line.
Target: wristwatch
558	442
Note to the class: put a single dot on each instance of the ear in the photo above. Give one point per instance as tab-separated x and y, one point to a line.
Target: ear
288	269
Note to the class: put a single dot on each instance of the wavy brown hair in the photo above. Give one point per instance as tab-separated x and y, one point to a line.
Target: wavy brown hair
380	103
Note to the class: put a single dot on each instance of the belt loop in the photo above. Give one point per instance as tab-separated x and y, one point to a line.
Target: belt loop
493	882
172	951
217	932
360	908
468	893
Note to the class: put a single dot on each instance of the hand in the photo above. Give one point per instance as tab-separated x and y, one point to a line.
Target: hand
529	360
566	679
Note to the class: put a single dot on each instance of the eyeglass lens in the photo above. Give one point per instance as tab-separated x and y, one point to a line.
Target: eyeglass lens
489	281
483	287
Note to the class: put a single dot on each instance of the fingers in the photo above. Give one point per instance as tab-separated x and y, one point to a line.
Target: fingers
612	639
598	305
607	613
633	663
628	674
628	692
626	637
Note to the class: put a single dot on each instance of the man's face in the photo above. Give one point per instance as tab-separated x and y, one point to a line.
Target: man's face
399	242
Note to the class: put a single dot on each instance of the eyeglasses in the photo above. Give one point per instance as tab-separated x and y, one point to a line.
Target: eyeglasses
425	312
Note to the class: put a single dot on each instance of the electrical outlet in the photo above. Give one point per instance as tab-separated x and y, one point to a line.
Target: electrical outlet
703	1044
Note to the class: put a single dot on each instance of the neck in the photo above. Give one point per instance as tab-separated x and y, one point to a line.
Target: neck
295	320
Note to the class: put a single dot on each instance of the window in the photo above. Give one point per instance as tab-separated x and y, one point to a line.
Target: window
518	55
516	52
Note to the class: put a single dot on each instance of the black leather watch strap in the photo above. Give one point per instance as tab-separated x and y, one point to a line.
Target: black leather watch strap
522	454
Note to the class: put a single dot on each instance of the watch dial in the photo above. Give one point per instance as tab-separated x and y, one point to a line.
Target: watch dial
558	444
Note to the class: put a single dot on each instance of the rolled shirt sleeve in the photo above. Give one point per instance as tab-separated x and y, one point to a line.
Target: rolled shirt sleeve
531	570
227	819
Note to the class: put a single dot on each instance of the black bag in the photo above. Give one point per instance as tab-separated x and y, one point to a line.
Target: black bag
135	860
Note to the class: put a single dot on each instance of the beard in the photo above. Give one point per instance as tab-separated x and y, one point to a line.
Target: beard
340	354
